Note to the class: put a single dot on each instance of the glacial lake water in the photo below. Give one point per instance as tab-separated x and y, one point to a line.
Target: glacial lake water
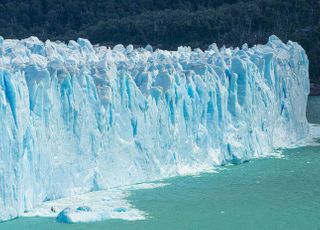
269	193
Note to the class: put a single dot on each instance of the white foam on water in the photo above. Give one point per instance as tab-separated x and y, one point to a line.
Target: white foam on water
106	204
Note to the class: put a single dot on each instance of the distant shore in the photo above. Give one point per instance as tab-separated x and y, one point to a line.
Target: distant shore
314	89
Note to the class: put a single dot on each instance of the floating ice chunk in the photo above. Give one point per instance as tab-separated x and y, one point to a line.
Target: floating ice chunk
120	209
84	208
79	215
63	216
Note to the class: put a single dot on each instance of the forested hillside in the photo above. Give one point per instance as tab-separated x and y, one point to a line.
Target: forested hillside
167	23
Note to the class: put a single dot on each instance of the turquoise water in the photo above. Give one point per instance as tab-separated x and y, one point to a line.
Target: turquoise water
270	193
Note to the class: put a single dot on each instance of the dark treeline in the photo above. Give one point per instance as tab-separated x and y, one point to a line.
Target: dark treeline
167	23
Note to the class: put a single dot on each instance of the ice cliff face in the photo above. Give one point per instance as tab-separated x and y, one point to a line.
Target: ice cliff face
76	118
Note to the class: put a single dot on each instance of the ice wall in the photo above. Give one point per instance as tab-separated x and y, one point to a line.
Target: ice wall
76	118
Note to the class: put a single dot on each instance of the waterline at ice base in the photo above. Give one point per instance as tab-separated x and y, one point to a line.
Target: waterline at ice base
77	118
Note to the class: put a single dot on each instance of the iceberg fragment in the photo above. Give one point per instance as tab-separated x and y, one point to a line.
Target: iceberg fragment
79	215
76	118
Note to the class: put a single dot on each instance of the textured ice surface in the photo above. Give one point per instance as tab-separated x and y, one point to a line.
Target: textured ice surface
76	118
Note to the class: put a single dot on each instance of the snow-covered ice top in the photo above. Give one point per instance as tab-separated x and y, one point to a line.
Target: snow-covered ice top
77	118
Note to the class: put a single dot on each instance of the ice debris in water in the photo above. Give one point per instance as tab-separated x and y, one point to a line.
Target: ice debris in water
68	215
77	118
63	216
81	214
94	206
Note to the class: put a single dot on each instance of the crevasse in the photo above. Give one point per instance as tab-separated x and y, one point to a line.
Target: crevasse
76	118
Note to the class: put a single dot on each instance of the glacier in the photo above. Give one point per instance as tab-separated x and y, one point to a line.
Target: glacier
77	117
